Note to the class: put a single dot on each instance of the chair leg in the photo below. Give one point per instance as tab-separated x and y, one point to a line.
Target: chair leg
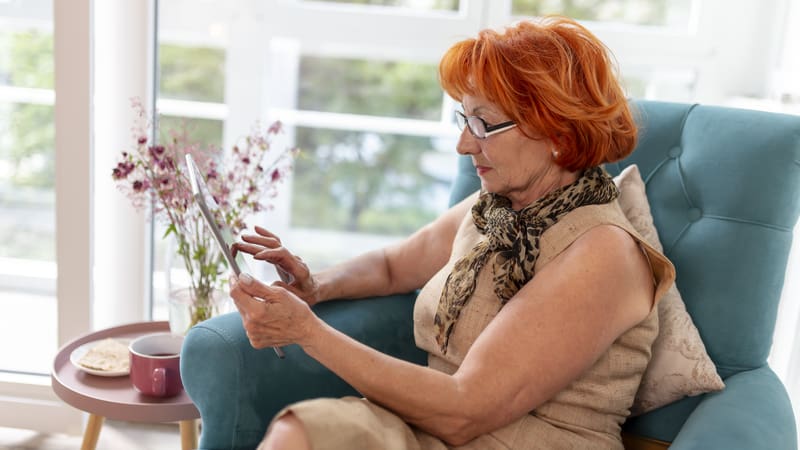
188	434
92	432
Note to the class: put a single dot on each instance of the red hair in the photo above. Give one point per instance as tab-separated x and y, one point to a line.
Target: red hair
555	79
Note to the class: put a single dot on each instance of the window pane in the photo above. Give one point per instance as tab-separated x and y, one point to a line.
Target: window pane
661	84
191	73
395	89
27	199
427	5
368	183
27	168
27	59
670	13
204	131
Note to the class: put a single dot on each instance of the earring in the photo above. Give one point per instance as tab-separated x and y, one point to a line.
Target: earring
555	154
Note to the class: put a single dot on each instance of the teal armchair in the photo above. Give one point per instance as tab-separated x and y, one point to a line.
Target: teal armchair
724	189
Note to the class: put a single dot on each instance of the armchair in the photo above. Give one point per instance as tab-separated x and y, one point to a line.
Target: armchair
724	190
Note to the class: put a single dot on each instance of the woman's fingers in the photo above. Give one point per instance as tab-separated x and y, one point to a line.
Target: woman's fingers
278	255
266	233
294	290
251	249
255	288
265	246
280	319
269	242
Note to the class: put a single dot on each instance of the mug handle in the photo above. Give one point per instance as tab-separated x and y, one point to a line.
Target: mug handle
159	381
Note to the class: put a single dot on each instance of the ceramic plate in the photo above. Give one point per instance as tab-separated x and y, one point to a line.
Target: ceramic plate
78	353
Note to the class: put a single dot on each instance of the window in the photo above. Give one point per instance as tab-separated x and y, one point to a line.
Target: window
377	157
27	196
420	5
44	282
664	13
359	182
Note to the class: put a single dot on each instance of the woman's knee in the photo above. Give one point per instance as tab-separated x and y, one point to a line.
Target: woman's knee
286	433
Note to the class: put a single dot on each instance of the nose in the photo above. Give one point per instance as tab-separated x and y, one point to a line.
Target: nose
467	143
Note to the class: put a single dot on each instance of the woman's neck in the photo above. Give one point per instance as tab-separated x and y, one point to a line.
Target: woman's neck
551	180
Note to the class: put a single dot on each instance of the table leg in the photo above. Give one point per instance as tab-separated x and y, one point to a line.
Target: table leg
188	434
92	432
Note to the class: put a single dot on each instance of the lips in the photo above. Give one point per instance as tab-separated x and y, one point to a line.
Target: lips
482	169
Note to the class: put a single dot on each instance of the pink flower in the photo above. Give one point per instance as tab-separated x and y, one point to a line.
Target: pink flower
275	128
241	183
122	170
140	185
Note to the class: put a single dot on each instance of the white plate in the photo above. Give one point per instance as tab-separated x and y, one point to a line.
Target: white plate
78	353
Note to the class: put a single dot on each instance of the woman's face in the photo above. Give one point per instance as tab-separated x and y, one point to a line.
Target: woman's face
508	163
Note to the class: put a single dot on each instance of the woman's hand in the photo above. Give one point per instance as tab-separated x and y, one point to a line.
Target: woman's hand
272	316
294	273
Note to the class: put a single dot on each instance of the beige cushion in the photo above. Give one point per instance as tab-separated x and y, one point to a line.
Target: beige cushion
679	366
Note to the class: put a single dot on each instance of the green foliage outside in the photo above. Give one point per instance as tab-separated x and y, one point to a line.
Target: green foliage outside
207	132
393	89
192	73
30	59
639	12
28	148
451	5
364	182
361	182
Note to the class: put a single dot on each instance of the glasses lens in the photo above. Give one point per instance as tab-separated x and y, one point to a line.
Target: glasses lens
477	126
461	120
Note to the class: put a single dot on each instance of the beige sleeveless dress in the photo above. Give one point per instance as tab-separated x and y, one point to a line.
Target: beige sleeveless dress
586	415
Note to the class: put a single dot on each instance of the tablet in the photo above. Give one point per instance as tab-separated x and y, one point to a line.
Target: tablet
210	210
223	236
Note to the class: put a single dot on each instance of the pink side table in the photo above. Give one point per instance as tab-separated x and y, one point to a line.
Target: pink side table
114	397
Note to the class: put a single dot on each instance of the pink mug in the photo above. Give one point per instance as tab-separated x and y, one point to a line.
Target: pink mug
155	364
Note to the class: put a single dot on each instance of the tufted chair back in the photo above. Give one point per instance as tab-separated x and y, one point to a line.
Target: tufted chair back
724	189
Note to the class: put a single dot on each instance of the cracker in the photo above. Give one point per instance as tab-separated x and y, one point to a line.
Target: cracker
108	355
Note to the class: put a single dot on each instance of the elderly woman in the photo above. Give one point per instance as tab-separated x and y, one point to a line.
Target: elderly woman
537	301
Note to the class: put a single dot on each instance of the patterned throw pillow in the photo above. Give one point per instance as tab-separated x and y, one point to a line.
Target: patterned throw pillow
679	366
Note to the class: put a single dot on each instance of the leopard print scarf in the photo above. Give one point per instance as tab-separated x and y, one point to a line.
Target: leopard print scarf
514	237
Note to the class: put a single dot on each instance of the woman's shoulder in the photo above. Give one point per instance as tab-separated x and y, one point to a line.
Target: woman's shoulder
602	233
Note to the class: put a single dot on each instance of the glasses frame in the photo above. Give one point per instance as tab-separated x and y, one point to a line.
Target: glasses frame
488	130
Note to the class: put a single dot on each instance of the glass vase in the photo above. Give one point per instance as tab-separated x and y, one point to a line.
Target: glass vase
186	311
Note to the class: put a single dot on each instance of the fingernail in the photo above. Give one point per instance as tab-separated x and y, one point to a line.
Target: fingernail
245	278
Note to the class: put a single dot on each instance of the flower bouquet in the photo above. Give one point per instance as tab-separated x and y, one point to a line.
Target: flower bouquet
242	181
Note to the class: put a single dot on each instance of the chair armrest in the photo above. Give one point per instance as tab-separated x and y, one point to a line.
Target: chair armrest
753	411
238	389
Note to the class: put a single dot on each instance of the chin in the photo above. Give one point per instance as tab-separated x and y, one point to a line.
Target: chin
488	187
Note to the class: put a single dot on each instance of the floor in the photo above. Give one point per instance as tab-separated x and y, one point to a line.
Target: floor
114	436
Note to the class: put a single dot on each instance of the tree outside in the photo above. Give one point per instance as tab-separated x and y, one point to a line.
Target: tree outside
27	156
361	181
451	5
28	151
639	12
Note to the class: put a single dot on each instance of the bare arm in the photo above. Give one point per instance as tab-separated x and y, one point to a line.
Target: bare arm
598	288
399	268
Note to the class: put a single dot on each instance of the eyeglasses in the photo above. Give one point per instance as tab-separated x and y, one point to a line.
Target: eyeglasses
479	128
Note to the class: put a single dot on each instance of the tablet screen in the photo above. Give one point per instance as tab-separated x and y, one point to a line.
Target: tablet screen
210	211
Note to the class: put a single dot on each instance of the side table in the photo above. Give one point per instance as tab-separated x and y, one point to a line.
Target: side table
114	397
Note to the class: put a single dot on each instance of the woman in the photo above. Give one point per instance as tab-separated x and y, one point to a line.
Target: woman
538	299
